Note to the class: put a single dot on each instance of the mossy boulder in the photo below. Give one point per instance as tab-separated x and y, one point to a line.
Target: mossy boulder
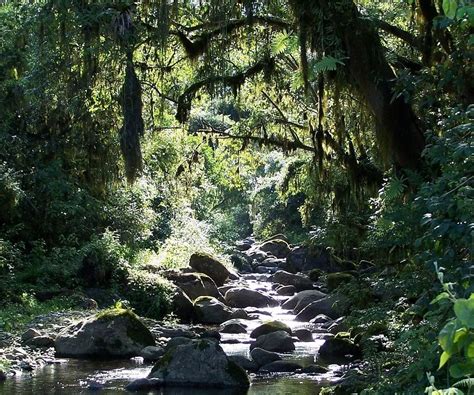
194	285
112	333
209	310
205	263
339	350
244	297
279	341
269	327
277	247
199	363
334	280
299	281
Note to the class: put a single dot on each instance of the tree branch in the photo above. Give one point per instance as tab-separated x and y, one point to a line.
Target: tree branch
409	38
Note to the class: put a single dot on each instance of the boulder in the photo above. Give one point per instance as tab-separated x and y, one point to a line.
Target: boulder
303	334
299	281
43	341
279	341
182	306
194	285
233	326
327	306
244	297
200	363
111	333
320	319
339	349
334	280
263	357
286	290
244	362
277	247
144	384
204	263
29	334
176	341
280	366
313	294
272	262
314	369
209	310
308	258
308	299
266	270
256	254
152	353
240	314
269	327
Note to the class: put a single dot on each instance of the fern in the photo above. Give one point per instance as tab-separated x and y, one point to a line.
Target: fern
327	63
465	383
284	43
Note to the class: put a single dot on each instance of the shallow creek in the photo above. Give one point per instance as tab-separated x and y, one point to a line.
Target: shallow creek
74	376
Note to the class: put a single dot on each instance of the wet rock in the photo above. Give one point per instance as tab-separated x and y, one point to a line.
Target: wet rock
209	310
204	263
269	327
30	334
308	295
328	306
3	376
182	306
199	363
266	270
286	290
320	319
177	341
210	334
152	353
303	334
111	333
194	285
143	385
299	281
257	255
339	349
244	297
240	314
314	369
279	341
277	247
41	342
263	357
27	366
95	386
338	325
233	326
280	366
272	262
308	299
244	362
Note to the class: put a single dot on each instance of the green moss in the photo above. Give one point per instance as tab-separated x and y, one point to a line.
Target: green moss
204	298
238	374
136	330
334	280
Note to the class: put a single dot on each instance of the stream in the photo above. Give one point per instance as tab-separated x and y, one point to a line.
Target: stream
73	376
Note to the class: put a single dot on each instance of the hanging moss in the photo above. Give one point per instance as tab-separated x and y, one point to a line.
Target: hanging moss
133	125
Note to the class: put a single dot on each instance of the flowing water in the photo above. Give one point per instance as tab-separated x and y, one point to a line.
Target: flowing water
74	376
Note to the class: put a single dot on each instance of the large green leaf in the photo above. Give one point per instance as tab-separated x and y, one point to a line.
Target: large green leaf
461	369
446	337
450	7
464	310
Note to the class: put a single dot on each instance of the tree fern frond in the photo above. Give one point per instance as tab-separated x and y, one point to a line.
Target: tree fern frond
327	63
465	383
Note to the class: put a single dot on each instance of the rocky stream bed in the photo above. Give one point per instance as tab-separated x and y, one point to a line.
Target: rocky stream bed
268	329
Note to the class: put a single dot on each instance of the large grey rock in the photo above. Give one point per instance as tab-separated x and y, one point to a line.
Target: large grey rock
29	334
263	357
194	285
244	297
308	295
244	362
303	334
299	281
278	248
286	290
204	263
112	333
200	363
330	306
182	306
209	310
338	349
279	341
233	326
307	300
269	327
43	341
152	353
